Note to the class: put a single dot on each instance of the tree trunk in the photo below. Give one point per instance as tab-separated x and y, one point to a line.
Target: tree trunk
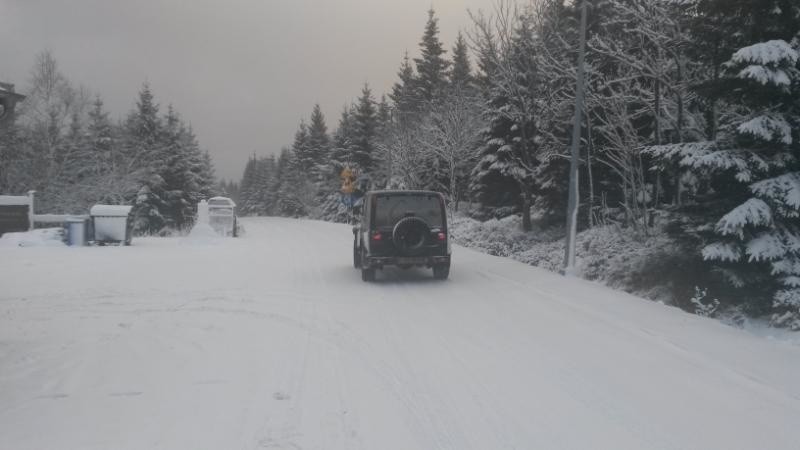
657	107
526	207
679	127
453	189
589	170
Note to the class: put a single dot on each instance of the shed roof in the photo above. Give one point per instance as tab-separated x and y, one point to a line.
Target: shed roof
110	210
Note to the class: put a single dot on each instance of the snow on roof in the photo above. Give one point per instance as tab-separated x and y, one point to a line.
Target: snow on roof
110	210
220	201
14	200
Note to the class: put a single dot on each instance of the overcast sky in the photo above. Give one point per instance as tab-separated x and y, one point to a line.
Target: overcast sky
242	72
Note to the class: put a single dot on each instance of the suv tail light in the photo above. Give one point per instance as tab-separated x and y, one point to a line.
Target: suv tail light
377	236
441	236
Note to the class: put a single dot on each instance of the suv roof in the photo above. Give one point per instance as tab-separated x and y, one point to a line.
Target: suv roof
403	192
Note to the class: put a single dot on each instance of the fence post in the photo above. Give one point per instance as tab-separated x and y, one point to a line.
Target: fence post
31	195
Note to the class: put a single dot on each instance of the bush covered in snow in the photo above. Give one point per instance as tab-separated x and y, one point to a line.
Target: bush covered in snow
658	266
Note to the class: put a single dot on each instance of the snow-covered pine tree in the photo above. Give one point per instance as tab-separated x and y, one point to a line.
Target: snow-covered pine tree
404	95
432	67
341	151
265	182
512	139
289	201
115	180
304	158
248	189
484	41
143	145
100	137
365	127
201	180
206	174
753	168
323	172
384	114
181	187
319	144
461	73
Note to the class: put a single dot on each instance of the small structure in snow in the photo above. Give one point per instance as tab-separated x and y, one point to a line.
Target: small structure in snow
112	224
8	99
16	213
221	215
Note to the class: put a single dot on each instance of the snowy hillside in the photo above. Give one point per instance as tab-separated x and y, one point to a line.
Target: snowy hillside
273	341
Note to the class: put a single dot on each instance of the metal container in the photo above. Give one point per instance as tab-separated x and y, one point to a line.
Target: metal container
76	231
112	224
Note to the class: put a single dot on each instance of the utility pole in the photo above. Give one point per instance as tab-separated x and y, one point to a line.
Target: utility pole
572	206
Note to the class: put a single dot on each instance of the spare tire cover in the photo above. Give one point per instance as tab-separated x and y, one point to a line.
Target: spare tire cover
410	235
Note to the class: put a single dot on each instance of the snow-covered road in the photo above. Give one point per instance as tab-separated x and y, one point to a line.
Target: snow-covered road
273	341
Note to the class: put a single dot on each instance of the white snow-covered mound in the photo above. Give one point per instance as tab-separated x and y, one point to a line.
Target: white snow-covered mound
45	237
201	234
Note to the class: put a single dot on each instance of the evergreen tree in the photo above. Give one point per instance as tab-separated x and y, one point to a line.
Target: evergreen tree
431	65
101	138
384	114
365	127
461	74
72	158
143	145
248	189
512	139
180	182
487	53
206	175
289	201
752	198
304	159
341	153
318	142
265	185
404	95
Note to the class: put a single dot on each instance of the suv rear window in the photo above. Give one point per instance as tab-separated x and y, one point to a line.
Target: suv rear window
391	208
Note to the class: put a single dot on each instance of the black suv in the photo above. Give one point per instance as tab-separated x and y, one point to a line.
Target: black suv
404	229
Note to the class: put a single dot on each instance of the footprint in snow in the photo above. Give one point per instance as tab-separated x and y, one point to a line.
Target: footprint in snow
281	396
53	396
125	394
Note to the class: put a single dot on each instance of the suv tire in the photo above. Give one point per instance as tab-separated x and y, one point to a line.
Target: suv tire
441	271
367	275
356	256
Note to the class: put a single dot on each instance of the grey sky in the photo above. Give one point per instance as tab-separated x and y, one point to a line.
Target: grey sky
242	72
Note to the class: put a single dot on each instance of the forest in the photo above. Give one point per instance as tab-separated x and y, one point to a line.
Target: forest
690	140
63	144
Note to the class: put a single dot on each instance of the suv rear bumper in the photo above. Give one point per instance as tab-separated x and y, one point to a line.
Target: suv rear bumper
379	262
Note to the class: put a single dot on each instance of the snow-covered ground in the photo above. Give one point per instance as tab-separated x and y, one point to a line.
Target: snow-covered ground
273	341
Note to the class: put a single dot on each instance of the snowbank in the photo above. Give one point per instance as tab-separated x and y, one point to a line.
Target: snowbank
201	234
617	258
45	237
